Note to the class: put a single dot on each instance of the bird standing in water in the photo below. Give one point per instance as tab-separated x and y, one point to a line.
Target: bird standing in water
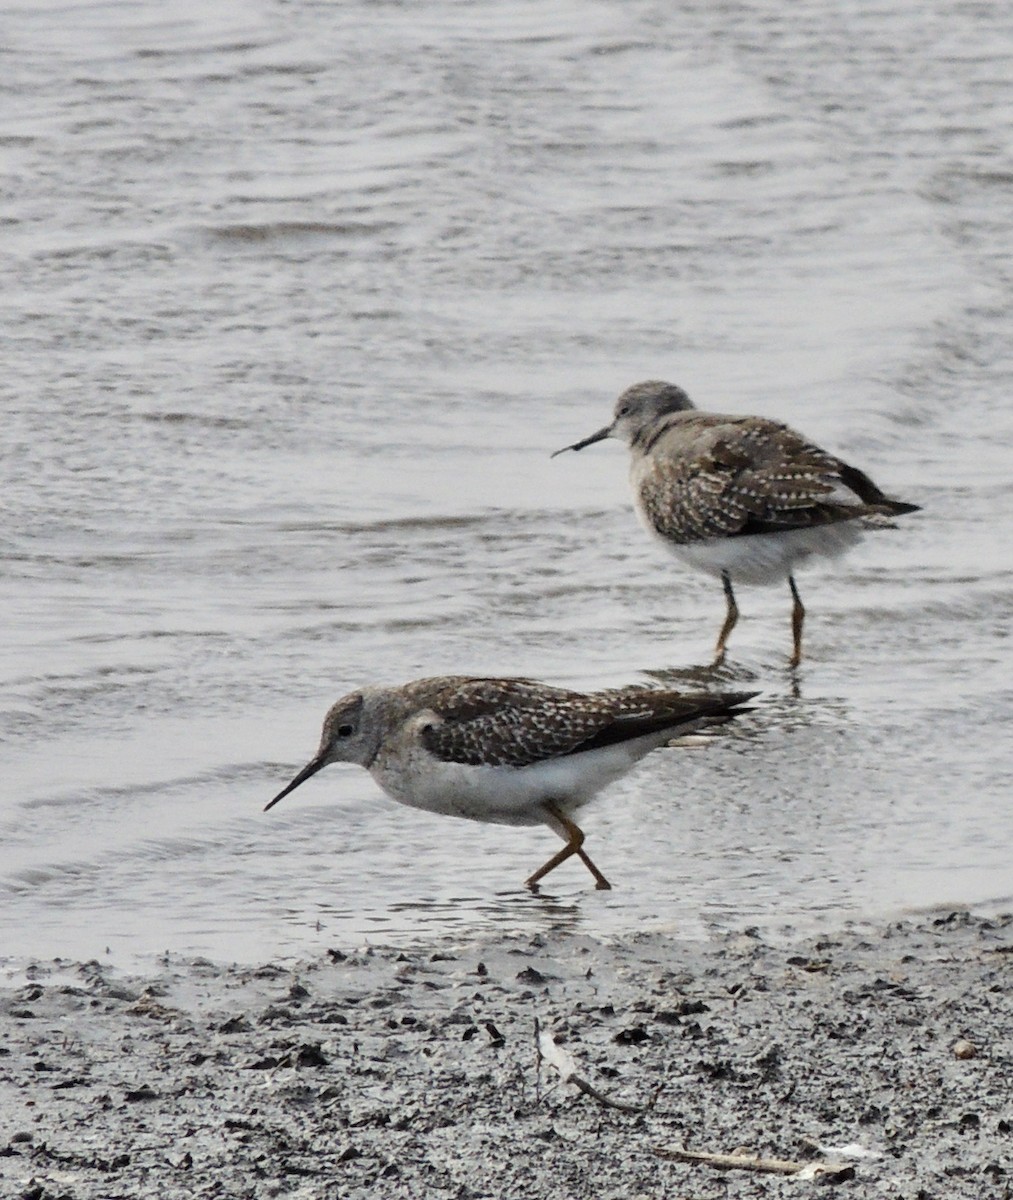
745	499
508	751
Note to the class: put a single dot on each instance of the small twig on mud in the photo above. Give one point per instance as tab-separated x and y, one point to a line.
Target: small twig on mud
747	1162
557	1057
751	1162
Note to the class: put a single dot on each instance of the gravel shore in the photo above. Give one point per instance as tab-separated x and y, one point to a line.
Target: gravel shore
884	1054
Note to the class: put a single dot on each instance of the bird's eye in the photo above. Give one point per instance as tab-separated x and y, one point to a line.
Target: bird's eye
345	730
624	411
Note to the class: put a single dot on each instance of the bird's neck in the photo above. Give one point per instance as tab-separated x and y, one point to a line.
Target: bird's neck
649	434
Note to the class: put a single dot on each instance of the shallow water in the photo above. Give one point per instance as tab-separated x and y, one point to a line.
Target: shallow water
298	300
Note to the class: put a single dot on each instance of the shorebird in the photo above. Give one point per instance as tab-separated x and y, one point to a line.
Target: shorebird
745	499
507	751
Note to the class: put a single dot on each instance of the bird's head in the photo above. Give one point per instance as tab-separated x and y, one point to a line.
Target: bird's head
636	410
347	736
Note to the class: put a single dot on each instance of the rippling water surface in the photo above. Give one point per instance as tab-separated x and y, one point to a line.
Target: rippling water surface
298	299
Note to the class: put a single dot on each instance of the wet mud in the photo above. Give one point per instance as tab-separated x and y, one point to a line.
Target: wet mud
882	1056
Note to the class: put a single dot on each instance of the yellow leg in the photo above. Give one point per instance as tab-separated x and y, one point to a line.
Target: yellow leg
797	618
731	617
573	835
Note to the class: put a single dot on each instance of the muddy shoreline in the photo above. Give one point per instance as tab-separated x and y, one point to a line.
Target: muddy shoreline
409	1073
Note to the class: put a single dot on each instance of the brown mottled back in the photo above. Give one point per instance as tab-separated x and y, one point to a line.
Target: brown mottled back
704	475
517	722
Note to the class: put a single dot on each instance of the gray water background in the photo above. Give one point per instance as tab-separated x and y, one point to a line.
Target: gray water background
297	300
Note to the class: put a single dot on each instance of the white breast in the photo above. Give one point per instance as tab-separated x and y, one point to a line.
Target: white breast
765	557
505	795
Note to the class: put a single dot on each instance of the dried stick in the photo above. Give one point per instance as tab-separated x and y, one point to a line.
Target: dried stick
557	1057
750	1162
745	1162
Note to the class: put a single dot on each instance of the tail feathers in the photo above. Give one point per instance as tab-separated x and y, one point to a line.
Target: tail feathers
863	487
729	705
705	726
898	507
880	516
680	713
702	733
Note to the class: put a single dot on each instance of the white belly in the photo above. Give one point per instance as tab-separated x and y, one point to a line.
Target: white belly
507	795
766	557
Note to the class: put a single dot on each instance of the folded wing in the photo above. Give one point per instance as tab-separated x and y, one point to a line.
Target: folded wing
517	723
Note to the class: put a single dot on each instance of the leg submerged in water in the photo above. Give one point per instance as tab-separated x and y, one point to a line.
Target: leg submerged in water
797	619
731	617
573	835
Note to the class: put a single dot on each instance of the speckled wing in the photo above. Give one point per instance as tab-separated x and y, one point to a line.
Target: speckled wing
711	477
511	722
518	722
